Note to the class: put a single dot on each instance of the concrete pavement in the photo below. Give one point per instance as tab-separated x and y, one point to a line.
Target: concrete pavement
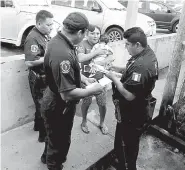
22	151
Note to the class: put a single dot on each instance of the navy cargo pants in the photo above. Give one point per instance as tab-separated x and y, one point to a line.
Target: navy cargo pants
126	145
58	119
37	88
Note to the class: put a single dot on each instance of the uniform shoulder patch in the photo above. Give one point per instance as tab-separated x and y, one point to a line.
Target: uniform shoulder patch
136	76
65	66
34	48
80	48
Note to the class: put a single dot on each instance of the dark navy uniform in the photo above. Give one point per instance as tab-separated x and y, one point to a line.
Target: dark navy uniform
139	79
34	48
62	73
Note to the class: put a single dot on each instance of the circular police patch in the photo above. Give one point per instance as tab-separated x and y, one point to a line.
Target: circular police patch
34	48
65	66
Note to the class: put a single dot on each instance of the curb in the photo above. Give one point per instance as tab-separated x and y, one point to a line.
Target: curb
102	163
155	130
167	137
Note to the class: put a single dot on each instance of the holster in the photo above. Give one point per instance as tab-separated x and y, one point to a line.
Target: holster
38	78
69	105
33	76
151	102
116	101
117	109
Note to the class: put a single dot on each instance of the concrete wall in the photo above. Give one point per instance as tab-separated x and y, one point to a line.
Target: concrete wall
17	105
162	45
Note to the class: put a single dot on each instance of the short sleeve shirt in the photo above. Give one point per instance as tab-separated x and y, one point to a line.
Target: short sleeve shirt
61	65
85	47
141	73
35	45
139	79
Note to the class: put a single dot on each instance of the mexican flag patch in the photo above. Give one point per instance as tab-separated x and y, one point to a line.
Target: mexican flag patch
136	77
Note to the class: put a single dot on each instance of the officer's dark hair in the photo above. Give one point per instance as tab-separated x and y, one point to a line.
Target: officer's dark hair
42	15
134	35
104	38
71	30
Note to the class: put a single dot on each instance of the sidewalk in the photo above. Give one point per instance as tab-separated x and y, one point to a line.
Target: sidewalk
22	151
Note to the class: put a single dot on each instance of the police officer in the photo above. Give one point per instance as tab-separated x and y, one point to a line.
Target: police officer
34	49
64	92
132	96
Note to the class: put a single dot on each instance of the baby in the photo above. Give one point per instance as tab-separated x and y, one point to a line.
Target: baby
100	59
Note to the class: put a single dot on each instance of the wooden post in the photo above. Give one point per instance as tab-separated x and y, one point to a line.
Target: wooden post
174	66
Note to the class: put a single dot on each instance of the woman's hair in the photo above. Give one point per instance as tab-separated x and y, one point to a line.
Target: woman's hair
104	38
93	28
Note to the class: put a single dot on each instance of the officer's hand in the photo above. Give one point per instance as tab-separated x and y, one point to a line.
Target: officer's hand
91	80
111	75
115	68
96	88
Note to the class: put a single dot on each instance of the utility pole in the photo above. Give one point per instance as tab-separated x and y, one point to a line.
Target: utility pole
131	19
174	67
132	12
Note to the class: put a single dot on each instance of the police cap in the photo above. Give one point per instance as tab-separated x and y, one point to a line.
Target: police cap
78	21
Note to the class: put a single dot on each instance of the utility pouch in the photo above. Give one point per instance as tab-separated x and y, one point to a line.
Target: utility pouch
117	109
151	107
34	77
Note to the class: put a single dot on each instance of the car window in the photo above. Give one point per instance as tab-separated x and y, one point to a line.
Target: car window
158	7
7	3
62	2
86	4
143	6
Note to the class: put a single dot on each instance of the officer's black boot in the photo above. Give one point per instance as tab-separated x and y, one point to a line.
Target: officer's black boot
43	159
36	121
35	127
58	168
42	136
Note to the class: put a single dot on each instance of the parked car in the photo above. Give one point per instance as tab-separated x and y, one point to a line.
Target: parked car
165	16
19	17
109	15
178	8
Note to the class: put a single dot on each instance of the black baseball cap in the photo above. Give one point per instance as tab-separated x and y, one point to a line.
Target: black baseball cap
78	21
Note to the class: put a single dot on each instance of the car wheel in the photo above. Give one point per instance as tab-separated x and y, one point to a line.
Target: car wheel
175	27
115	34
